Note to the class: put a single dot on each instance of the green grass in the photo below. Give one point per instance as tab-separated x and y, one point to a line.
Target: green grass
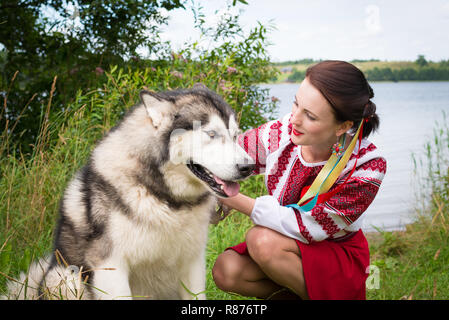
228	232
411	264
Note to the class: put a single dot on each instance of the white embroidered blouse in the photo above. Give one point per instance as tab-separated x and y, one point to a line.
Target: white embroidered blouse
286	174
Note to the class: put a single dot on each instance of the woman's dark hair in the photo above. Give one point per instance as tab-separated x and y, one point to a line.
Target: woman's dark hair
348	92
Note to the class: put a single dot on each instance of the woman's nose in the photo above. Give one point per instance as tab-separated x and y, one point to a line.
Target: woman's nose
296	118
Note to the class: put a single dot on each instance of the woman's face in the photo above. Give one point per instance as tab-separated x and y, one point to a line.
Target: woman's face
313	121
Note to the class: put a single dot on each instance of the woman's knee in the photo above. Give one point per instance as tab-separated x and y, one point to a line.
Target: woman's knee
261	244
226	271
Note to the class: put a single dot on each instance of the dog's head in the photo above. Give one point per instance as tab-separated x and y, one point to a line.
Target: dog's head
202	134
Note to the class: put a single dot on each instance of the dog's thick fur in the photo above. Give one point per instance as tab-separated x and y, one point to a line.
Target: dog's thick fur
133	222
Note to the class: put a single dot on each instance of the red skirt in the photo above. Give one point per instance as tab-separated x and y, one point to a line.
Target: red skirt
333	270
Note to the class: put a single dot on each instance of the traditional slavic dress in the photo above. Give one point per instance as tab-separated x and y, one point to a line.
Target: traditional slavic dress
334	251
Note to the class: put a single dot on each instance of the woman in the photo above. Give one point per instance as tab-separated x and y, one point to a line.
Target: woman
320	253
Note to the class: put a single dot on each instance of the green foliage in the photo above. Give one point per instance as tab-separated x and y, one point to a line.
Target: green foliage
425	72
408	74
297	76
421	61
376	70
79	44
73	40
364	60
306	61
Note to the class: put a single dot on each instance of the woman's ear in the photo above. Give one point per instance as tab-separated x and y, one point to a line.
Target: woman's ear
344	127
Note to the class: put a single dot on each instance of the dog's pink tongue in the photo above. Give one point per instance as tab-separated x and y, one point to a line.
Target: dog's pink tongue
230	188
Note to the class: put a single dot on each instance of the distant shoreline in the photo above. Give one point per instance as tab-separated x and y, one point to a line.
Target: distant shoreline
374	70
298	82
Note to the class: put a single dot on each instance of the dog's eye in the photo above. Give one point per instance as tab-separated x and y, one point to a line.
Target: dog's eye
211	133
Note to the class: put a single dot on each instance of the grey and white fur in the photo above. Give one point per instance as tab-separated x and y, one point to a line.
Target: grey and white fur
133	222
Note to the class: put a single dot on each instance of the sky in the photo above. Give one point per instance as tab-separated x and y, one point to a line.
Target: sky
340	29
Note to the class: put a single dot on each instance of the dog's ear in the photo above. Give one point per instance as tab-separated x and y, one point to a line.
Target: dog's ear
157	107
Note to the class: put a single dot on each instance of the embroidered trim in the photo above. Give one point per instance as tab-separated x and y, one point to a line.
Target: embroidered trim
274	136
281	166
302	228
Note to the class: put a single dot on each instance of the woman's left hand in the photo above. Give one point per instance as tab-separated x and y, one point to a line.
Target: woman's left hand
221	213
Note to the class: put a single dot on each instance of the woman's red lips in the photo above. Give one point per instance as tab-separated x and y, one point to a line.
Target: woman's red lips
296	133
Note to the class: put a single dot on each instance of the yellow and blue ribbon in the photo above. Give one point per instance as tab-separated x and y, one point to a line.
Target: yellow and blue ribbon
328	175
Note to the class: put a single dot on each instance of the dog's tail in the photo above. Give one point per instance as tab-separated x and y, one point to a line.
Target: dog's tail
26	286
45	281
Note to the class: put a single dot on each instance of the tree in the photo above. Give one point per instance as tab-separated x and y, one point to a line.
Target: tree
75	43
421	61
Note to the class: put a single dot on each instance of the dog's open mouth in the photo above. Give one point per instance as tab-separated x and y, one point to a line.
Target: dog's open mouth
219	186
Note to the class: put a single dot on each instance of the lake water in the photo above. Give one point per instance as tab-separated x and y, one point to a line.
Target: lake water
408	113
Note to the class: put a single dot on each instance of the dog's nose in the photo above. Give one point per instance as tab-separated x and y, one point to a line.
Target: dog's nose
246	169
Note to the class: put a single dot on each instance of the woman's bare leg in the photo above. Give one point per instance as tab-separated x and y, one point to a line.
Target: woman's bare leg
278	257
237	273
274	263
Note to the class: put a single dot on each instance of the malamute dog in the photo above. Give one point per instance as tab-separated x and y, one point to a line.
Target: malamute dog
133	222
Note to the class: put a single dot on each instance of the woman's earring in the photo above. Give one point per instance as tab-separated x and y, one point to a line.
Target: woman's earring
337	149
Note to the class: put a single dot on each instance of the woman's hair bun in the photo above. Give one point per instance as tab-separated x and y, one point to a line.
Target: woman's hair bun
370	109
371	119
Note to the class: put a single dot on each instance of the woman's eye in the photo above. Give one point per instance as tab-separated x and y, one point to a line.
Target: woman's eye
310	117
